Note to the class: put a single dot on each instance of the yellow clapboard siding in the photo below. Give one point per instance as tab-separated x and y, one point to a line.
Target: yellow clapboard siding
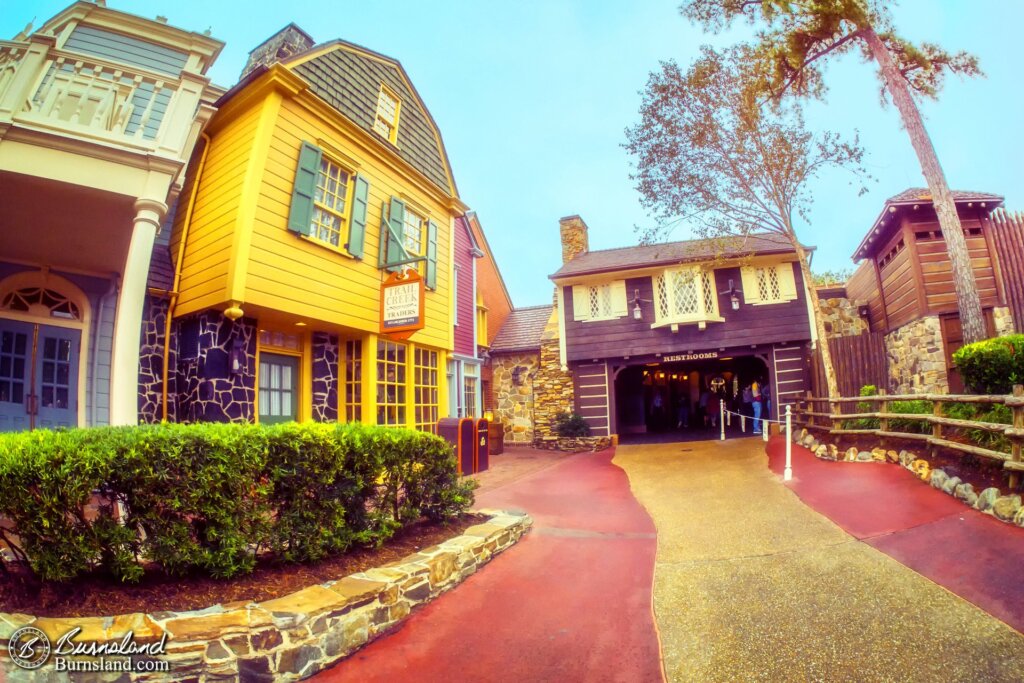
281	263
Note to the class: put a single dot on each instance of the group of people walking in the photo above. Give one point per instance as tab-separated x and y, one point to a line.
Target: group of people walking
753	402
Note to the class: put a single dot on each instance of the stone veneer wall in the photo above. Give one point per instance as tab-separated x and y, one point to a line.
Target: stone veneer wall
513	404
287	638
552	387
1003	319
917	362
325	377
151	364
840	317
208	390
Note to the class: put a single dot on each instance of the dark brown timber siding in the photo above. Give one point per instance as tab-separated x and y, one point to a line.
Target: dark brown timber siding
593	393
786	322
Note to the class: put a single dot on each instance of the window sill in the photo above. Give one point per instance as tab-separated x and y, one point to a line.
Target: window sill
329	247
601	319
772	303
687	321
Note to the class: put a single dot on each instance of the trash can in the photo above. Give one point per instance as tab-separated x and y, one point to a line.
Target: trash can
483	438
496	437
460	433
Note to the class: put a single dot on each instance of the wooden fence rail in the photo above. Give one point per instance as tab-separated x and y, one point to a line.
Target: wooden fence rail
834	422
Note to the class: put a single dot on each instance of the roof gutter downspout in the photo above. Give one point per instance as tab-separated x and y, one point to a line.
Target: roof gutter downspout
177	274
111	291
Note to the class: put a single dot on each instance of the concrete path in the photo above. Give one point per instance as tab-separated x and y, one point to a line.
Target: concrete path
751	584
967	552
570	602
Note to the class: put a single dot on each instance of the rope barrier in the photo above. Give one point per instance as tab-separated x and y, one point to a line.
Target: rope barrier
787	425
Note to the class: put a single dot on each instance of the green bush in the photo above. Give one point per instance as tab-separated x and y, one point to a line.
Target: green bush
210	498
992	366
571	425
895	424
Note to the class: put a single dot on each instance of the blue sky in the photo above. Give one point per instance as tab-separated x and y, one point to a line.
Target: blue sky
532	98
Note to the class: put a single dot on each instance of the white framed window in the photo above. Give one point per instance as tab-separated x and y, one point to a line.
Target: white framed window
768	284
330	203
685	295
603	301
385	121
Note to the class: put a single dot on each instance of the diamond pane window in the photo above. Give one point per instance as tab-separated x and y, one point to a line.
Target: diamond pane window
600	301
685	295
768	284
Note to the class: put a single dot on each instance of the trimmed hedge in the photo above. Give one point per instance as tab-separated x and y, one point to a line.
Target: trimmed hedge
571	425
992	366
210	498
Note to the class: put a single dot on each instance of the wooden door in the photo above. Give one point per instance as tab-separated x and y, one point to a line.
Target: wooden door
953	339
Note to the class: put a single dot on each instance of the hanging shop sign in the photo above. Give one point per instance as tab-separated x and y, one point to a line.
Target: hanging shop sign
706	355
401	304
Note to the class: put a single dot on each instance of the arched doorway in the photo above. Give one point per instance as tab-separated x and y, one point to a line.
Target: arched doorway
672	401
43	324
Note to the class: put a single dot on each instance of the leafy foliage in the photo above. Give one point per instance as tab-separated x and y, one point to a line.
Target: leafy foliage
992	366
797	37
209	497
705	151
571	425
832	278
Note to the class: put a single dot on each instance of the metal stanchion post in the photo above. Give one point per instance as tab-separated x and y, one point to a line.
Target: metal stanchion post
788	472
764	430
721	417
743	423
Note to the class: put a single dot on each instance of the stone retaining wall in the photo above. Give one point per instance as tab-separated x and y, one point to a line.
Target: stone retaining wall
286	638
573	444
840	317
917	362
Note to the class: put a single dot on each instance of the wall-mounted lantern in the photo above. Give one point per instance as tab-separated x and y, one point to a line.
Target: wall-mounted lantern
238	358
638	313
734	296
517	375
863	311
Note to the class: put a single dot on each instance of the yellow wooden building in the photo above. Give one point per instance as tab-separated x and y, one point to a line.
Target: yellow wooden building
321	173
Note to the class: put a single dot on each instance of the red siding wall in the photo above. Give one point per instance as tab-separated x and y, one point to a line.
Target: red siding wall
465	302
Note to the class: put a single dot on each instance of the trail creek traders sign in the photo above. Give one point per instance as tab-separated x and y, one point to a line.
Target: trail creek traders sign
401	304
706	355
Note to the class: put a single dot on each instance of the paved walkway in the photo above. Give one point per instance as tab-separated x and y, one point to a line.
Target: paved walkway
752	584
969	553
570	602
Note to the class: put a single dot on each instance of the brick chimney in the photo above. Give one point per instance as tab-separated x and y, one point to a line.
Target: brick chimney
291	40
574	237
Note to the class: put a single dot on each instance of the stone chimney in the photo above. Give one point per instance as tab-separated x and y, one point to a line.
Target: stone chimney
574	238
291	40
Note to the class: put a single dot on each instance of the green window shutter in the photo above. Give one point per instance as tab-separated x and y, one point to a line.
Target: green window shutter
300	216
431	255
357	226
395	233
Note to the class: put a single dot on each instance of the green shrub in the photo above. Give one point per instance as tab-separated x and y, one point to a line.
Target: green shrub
571	425
210	497
992	366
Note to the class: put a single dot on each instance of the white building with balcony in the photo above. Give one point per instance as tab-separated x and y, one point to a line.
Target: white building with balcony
99	113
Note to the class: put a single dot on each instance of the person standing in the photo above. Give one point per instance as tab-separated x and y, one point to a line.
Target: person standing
714	408
705	396
747	400
755	392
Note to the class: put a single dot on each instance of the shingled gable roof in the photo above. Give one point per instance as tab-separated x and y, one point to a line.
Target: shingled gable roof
644	256
348	77
522	330
917	195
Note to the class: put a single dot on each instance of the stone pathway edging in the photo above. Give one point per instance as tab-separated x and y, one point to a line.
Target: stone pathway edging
294	636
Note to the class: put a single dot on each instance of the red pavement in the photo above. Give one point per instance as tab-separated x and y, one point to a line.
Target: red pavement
569	602
969	553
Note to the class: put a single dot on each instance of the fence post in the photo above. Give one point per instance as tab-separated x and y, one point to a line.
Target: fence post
1018	423
936	427
810	409
721	416
883	407
787	474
